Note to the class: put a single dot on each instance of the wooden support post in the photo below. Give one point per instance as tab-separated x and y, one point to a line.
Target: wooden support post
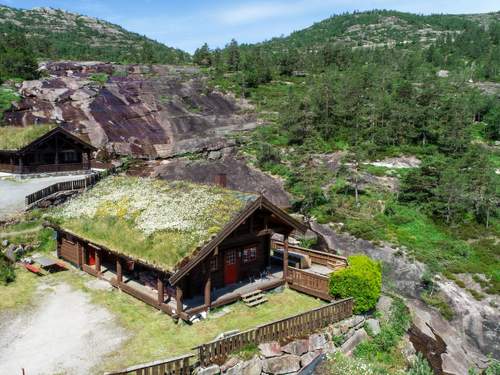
208	290
98	261
20	161
285	257
119	270
161	290
89	166
83	258
178	299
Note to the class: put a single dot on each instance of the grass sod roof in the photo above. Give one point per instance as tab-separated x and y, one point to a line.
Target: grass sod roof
16	137
154	221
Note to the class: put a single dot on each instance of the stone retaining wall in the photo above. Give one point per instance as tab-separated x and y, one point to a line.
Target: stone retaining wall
290	358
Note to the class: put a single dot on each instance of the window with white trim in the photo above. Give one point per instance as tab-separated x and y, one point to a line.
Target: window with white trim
249	254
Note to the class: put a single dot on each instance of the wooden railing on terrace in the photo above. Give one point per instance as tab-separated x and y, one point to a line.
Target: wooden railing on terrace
280	330
333	261
182	365
309	283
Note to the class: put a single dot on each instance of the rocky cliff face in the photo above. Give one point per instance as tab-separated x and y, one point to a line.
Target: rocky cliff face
452	347
143	111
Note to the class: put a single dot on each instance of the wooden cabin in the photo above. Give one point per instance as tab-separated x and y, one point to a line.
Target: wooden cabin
238	259
42	149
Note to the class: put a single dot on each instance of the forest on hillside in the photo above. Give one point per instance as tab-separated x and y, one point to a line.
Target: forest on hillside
413	98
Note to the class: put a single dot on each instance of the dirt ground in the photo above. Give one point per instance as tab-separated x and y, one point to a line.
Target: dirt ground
64	333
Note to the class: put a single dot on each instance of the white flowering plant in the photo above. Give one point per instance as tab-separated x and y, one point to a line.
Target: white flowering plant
156	221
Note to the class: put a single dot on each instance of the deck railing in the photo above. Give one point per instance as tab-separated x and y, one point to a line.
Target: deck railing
309	283
280	330
329	260
182	365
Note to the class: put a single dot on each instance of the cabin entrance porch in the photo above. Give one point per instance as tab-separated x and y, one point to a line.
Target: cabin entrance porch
268	280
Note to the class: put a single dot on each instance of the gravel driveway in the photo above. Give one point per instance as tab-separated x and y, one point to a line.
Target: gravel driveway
64	334
13	192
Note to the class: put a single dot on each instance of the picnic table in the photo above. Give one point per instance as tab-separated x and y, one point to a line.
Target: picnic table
41	265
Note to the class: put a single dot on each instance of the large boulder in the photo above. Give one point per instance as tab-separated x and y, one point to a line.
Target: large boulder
210	370
240	175
281	365
373	325
317	341
297	347
351	344
270	349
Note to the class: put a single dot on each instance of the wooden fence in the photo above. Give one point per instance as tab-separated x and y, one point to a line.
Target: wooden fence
64	186
182	365
281	330
217	351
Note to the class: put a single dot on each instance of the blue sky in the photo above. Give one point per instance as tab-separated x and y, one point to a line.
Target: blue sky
186	24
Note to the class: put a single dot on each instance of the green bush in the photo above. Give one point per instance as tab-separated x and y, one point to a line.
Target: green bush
7	273
362	279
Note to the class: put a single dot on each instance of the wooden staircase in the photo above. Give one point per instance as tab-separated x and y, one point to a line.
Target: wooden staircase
254	298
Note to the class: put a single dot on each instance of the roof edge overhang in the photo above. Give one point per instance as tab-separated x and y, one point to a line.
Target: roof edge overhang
261	202
56	130
103	247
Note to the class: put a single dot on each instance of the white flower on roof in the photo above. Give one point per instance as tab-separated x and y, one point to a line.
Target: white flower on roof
152	205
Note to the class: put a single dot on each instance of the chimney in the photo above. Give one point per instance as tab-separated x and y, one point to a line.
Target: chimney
221	180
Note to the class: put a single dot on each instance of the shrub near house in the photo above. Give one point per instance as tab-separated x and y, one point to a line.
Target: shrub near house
361	280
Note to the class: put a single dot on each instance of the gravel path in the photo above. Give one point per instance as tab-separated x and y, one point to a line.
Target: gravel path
64	334
13	192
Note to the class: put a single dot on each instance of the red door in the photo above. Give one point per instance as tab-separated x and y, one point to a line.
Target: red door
230	267
91	257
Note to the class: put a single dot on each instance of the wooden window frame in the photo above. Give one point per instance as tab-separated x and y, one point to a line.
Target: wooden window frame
250	254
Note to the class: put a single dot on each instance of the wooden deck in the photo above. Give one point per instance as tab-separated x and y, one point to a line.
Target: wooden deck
314	280
232	293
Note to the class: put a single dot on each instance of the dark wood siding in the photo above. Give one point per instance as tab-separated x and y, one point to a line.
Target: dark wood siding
69	251
245	236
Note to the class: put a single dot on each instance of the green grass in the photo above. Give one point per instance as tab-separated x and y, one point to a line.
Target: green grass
19	292
14	137
437	301
383	349
7	96
100	78
154	335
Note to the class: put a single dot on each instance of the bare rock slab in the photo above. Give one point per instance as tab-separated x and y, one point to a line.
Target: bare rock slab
351	344
281	365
